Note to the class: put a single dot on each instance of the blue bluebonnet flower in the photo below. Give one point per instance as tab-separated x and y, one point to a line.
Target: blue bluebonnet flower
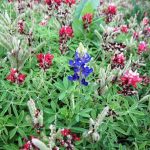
79	65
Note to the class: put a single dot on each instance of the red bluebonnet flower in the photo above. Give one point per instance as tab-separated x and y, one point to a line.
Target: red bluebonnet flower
48	2
131	78
145	80
75	137
37	1
101	2
45	60
124	28
70	2
68	140
21	26
136	35
87	20
65	132
112	9
145	21
16	77
55	148
29	145
10	1
142	47
146	31
79	65
118	60
57	2
65	33
116	29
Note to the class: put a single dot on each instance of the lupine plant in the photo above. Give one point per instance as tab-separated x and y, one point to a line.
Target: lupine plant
74	75
79	65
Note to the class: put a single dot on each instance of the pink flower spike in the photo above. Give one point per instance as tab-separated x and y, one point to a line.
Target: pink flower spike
131	78
112	9
145	21
87	20
48	2
142	47
16	77
66	31
119	59
70	2
124	28
136	35
45	60
21	26
65	132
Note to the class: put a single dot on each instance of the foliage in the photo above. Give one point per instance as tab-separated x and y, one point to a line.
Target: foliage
66	104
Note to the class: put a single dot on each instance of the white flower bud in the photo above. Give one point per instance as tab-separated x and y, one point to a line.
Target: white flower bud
95	136
81	49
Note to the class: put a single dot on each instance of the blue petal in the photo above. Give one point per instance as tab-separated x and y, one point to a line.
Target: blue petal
70	78
75	77
76	69
78	62
84	82
71	63
86	58
86	71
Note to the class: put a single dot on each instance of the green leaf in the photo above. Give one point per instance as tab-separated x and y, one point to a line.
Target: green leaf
21	117
15	110
77	27
5	109
49	111
59	86
65	82
21	132
53	105
120	130
133	119
85	115
136	112
77	118
86	110
62	95
12	133
50	119
78	129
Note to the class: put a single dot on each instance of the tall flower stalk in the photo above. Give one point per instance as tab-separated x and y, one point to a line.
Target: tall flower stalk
79	65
